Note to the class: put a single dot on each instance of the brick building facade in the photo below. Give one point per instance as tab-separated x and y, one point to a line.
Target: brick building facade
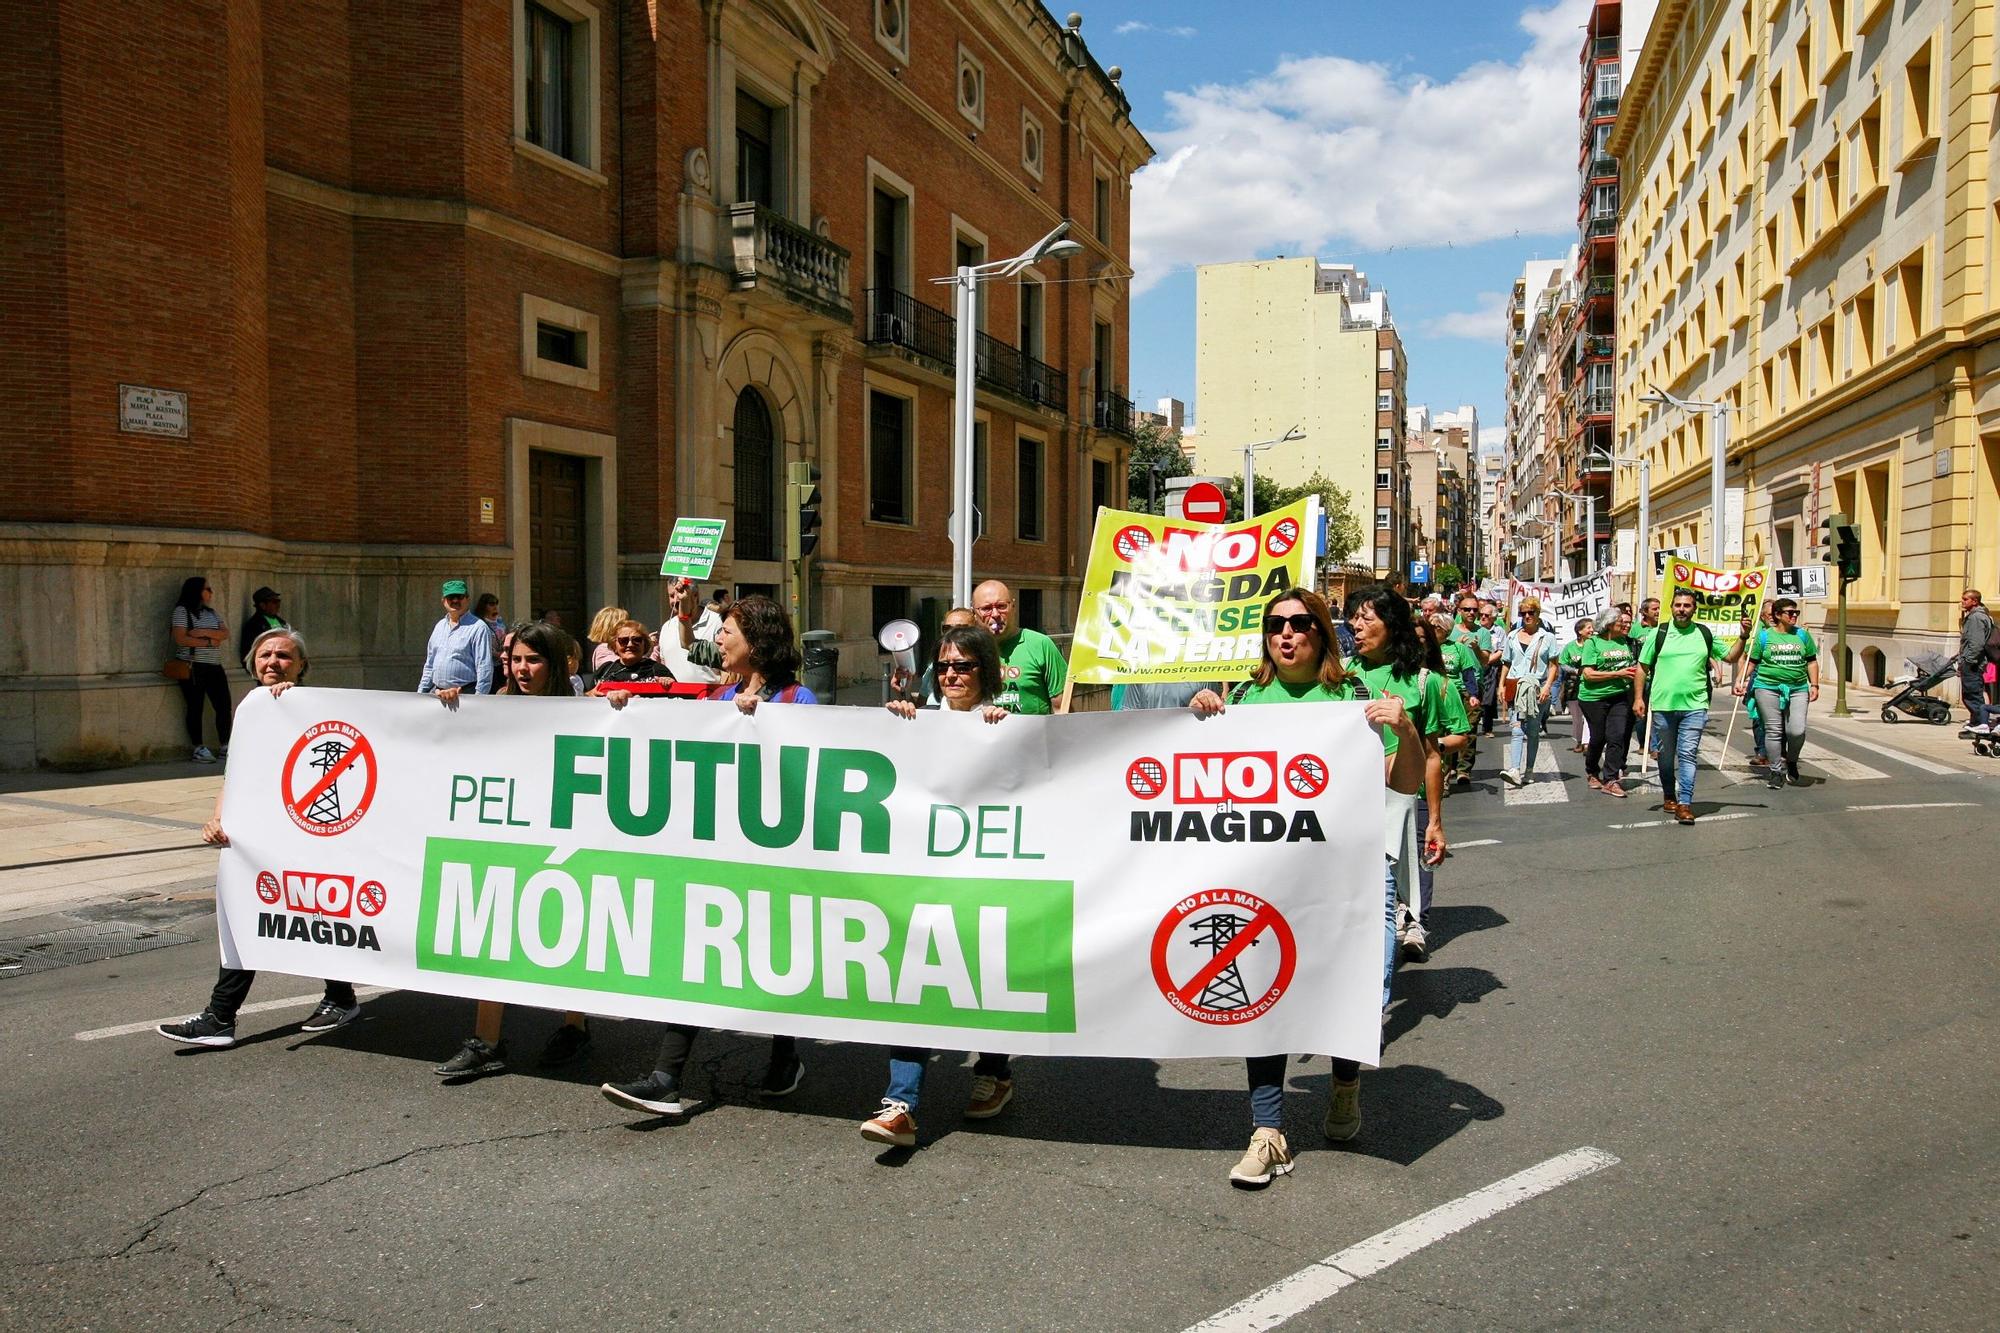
499	289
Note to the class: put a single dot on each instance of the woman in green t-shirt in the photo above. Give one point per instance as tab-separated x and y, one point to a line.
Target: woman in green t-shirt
1301	664
1784	678
1609	664
1570	659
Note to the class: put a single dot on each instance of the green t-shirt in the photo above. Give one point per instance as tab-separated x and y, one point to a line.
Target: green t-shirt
1781	656
1032	674
1678	675
1483	636
1430	707
1572	654
1283	692
1605	654
1458	656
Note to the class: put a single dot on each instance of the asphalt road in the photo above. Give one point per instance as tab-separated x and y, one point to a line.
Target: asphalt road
1781	1025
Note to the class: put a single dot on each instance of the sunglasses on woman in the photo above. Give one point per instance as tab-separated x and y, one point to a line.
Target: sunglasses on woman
629	642
956	666
1301	622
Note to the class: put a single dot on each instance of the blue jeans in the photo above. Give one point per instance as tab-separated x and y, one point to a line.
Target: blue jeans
1972	691
1267	1072
906	1073
1527	734
1680	734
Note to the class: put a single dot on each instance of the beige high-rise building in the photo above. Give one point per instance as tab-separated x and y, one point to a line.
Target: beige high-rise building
1294	342
1807	235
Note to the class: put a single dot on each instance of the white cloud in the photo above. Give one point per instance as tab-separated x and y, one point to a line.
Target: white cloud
1492	439
1486	322
1130	26
1325	153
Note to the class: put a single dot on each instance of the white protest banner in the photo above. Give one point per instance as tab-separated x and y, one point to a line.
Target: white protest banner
1570	602
1146	884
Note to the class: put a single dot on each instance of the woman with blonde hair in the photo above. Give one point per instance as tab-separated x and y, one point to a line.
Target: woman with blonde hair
603	626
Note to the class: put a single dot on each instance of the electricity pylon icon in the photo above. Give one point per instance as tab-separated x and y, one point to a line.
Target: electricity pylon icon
1225	990
326	807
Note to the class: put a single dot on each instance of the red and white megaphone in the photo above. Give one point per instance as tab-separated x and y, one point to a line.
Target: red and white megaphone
899	639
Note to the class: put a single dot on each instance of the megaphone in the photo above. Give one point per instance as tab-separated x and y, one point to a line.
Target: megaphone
899	639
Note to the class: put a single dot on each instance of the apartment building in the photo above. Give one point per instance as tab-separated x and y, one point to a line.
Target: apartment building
1807	237
1536	329
1439	450
349	299
1293	342
1588	391
1491	519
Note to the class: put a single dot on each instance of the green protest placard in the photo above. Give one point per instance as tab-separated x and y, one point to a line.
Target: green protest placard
693	547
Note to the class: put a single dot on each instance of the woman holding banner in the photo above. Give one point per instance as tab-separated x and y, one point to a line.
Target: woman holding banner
539	658
759	658
1301	664
1608	667
967	670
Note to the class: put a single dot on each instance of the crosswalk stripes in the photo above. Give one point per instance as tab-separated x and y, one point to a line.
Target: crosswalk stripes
1812	756
1545	785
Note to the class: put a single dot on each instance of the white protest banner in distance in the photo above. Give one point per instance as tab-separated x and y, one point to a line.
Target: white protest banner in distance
1570	602
1146	884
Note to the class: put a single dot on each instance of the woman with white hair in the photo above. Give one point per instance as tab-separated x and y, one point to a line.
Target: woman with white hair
277	661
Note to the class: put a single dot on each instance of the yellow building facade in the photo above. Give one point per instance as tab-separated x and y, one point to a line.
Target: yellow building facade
1806	235
1294	342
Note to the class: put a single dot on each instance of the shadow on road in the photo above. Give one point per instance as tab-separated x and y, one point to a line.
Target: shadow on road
1442	925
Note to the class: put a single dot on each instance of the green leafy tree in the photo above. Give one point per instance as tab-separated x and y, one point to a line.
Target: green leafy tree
1446	576
1156	452
1343	529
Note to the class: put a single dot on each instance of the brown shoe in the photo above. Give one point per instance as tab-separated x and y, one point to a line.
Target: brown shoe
1670	807
1594	784
1612	788
1685	814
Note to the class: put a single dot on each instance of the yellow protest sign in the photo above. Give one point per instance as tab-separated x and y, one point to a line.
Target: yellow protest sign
1168	600
1721	596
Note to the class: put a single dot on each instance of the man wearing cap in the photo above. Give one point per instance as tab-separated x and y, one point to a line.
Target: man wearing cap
264	617
460	652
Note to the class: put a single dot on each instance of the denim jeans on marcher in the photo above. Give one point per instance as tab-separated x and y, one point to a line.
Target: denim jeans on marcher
1526	741
1680	735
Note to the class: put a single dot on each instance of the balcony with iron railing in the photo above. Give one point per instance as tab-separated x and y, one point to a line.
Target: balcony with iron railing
769	250
1603	108
1601	169
1603	227
1115	413
1594	402
1602	287
897	319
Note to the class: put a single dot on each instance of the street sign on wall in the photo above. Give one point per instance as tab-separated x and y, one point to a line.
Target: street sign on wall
1803	581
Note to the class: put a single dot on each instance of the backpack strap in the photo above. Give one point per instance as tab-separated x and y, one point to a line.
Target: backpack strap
1242	688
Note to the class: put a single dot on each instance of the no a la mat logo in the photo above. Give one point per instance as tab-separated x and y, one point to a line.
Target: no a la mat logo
329	779
1223	956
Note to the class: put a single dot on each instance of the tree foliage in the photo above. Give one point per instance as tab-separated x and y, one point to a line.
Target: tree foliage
1343	528
1446	576
1153	447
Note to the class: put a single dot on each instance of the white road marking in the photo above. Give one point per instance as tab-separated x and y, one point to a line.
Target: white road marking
1476	842
127	1029
1889	752
1837	766
1916	805
1705	819
1545	785
1309	1286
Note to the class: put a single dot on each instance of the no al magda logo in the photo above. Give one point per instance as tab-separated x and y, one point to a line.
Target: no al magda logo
1223	956
329	779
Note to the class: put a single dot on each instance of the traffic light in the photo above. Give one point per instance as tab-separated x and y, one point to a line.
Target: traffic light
1840	545
802	519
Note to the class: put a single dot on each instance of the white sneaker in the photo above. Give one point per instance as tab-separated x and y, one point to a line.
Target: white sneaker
1511	776
203	755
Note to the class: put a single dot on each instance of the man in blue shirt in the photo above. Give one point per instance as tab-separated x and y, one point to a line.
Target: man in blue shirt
460	651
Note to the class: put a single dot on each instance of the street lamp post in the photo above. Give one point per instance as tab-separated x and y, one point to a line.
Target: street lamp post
1250	465
1718	468
1642	555
965	295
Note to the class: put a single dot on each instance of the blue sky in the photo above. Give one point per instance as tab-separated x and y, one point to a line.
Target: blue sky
1431	143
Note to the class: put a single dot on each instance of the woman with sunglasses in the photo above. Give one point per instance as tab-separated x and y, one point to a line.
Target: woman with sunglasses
1609	668
967	672
632	647
1784	678
759	657
1301	664
538	658
1527	679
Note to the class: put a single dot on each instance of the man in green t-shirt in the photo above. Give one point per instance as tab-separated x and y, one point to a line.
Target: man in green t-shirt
1783	678
1032	670
1675	678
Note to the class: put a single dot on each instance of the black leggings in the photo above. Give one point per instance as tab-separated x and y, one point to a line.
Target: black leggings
1610	735
208	680
232	987
678	1039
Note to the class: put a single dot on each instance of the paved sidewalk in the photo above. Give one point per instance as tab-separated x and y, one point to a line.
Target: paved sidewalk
1913	739
69	840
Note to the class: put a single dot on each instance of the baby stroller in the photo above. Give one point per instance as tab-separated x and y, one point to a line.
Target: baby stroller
1913	698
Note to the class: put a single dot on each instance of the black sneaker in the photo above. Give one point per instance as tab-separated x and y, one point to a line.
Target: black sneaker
1792	775
474	1059
782	1076
204	1029
1776	782
566	1044
656	1094
330	1016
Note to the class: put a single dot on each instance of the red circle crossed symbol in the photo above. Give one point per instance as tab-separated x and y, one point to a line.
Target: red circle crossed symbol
1305	776
1682	574
371	898
267	886
1146	778
1284	535
329	779
1207	960
1131	543
1753	578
